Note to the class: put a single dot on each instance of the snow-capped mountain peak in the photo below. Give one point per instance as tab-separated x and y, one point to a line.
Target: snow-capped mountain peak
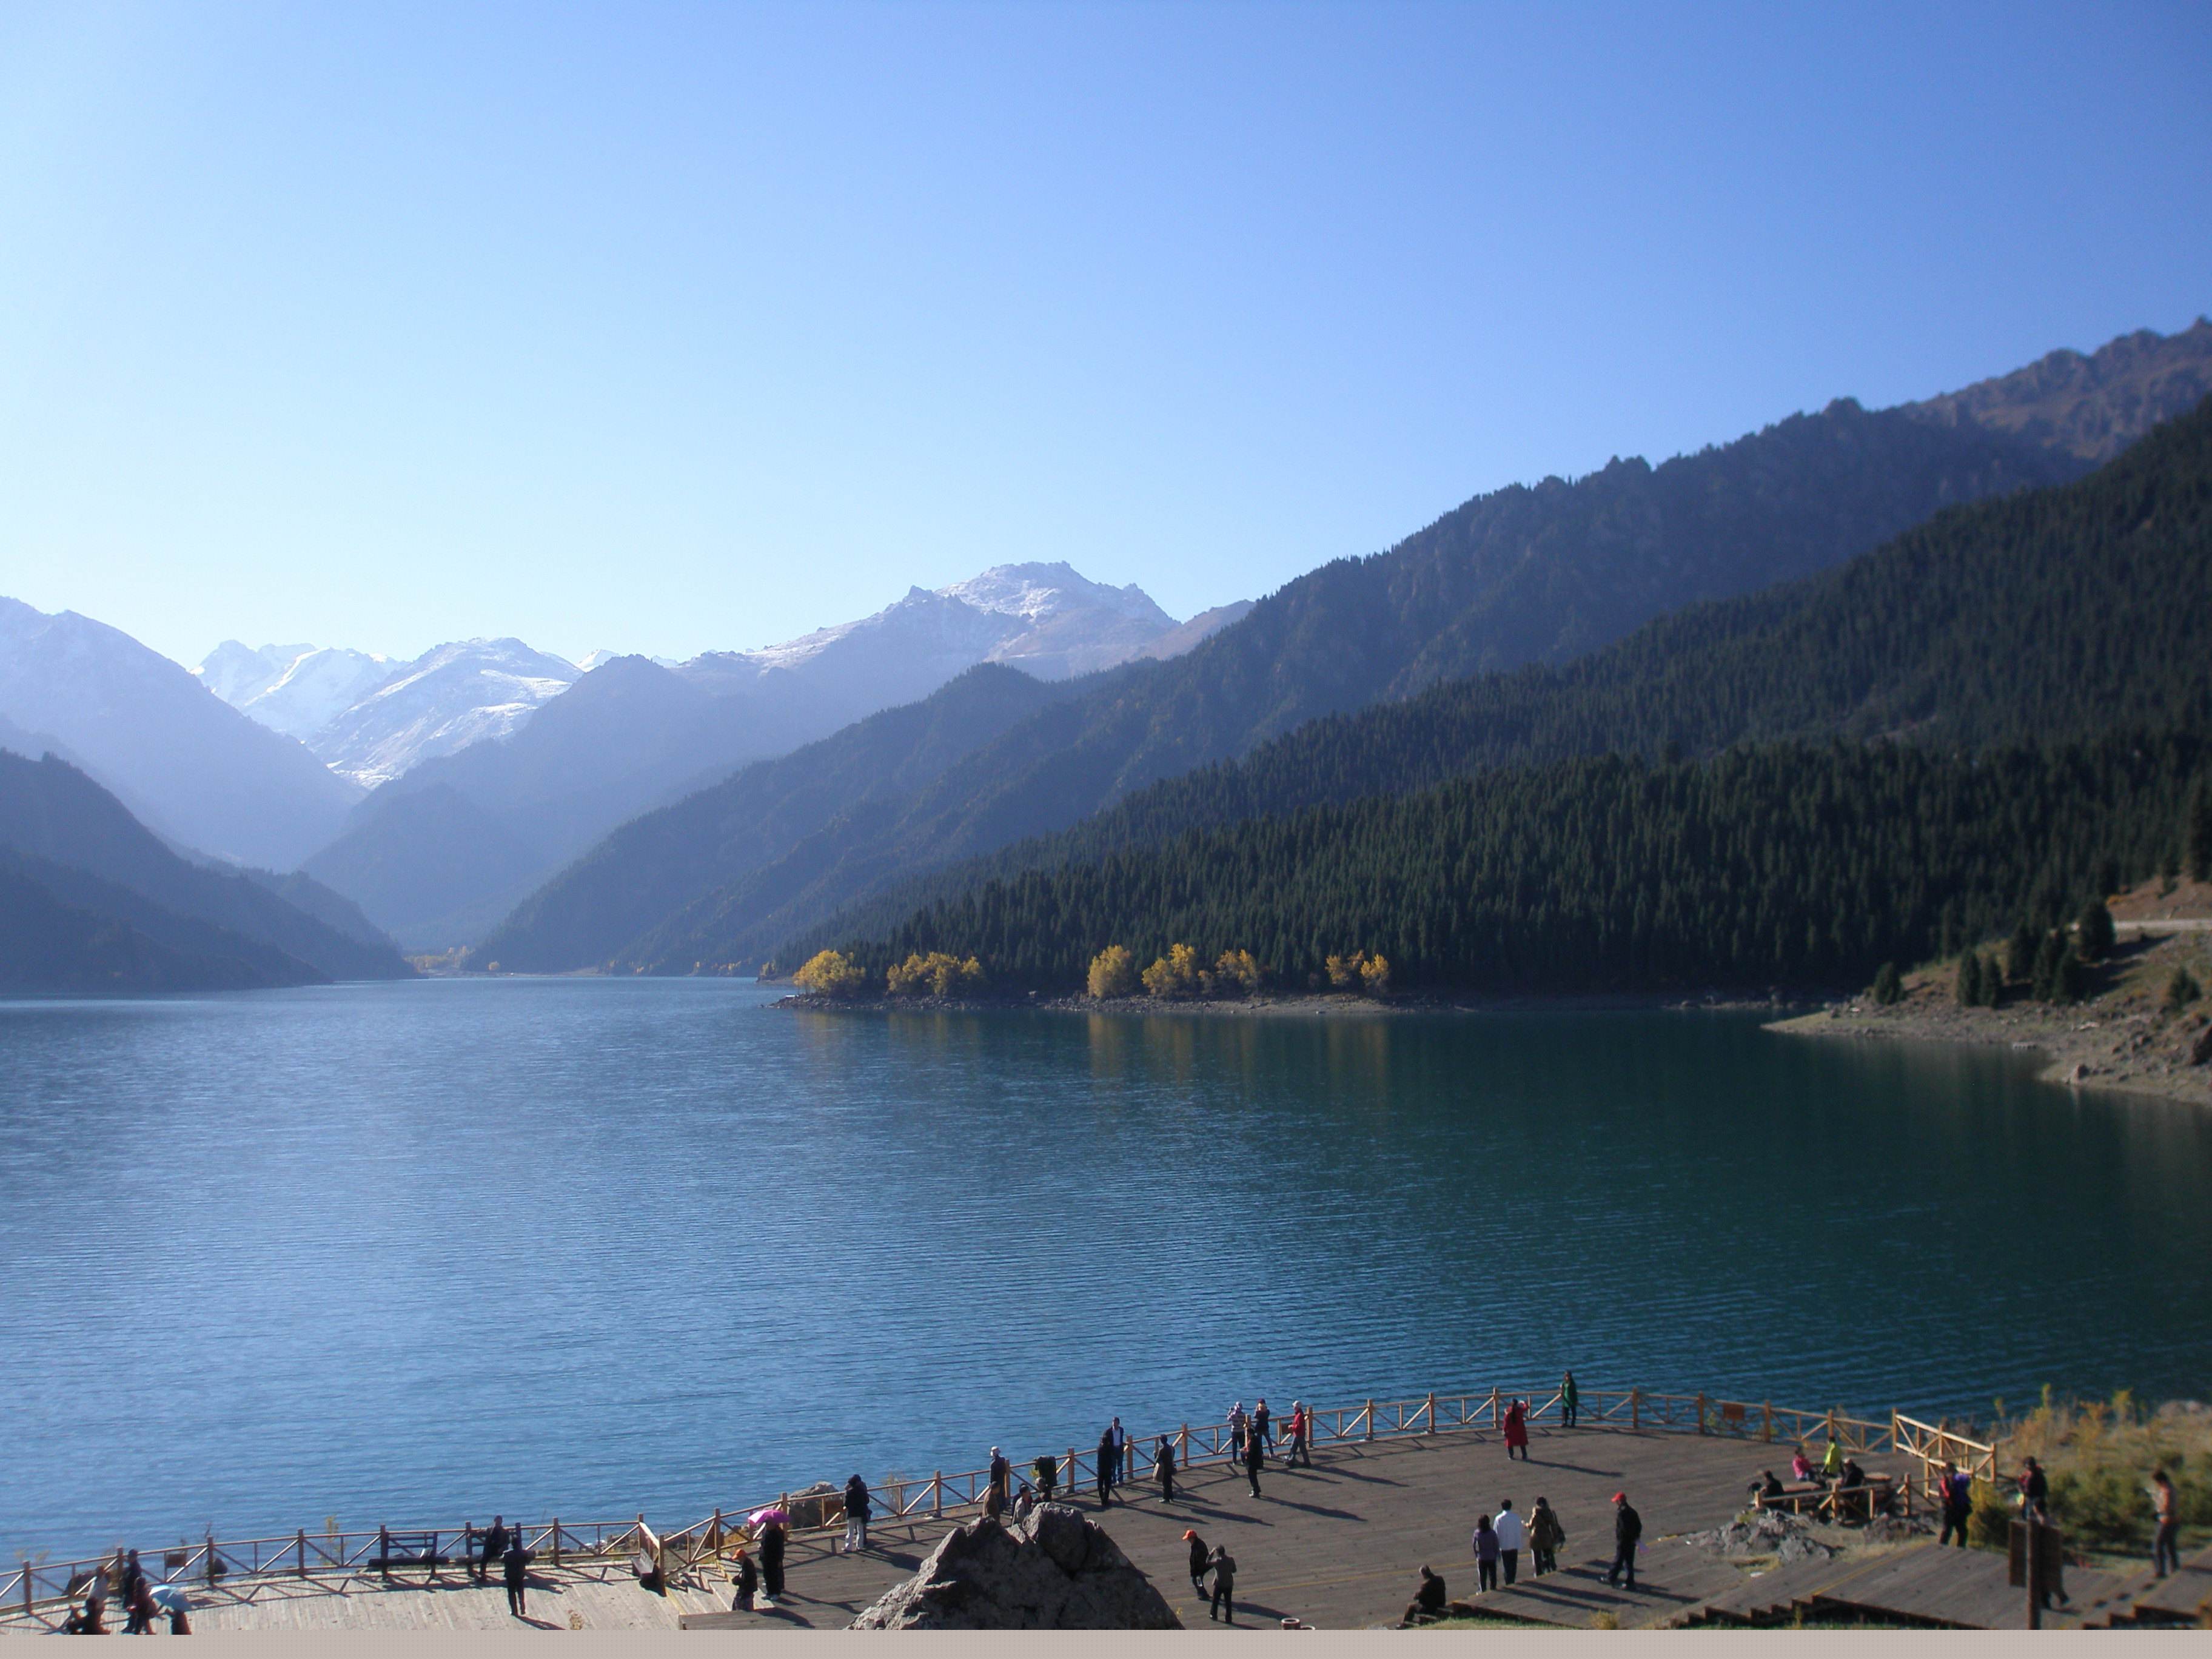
1038	590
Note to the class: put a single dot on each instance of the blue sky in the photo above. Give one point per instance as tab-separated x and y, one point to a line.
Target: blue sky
667	327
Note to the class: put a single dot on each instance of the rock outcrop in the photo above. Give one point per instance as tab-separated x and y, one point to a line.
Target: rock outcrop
1054	1570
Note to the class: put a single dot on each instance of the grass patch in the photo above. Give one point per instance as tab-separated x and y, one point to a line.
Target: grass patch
2100	1456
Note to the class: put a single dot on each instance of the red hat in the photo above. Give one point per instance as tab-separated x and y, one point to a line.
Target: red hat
1189	1533
1620	1497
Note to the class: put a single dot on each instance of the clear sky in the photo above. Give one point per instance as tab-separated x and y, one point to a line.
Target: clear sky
667	327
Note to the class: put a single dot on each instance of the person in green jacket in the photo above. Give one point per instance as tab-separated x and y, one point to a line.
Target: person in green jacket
1571	1402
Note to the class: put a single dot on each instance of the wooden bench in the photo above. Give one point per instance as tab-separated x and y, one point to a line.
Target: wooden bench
407	1549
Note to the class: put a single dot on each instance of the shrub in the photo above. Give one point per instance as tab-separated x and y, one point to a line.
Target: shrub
935	975
1113	973
2093	932
1966	989
1237	970
1889	986
1988	1524
1176	973
2181	990
831	973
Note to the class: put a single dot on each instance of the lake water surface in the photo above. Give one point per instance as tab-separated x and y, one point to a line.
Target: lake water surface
589	1247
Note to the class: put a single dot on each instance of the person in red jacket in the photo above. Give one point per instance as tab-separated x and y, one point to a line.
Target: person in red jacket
1516	1431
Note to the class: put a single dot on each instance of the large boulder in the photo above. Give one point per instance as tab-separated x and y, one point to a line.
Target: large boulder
1054	1570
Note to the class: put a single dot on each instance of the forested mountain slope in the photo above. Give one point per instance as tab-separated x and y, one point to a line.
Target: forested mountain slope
655	863
2063	613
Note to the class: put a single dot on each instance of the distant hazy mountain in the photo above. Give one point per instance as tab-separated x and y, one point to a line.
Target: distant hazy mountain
465	836
197	769
49	944
1541	573
372	719
51	811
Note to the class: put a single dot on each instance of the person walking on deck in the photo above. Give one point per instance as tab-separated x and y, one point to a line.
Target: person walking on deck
859	1508
1255	1455
1484	1542
1544	1537
1263	1424
1627	1532
1224	1605
1571	1402
516	1561
1511	1534
2165	1518
495	1549
1105	1469
774	1539
2034	1490
138	1604
1958	1498
1301	1434
1163	1465
1238	1423
1199	1560
1516	1431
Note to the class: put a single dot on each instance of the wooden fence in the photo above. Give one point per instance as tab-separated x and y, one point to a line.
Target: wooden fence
333	1558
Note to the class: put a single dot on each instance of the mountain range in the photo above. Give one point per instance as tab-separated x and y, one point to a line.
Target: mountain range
1539	574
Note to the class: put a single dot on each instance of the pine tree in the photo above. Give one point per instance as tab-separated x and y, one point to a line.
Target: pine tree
1888	986
2069	980
2199	832
2181	990
2019	955
1968	989
2094	932
2044	976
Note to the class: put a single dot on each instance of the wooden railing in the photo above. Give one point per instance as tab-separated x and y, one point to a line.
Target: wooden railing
218	1565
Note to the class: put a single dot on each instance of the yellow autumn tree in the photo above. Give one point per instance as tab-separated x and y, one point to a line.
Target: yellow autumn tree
831	973
1236	971
1113	973
936	974
1375	975
1174	974
1343	972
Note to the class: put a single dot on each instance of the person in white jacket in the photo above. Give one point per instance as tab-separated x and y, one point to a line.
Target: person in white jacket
1510	1535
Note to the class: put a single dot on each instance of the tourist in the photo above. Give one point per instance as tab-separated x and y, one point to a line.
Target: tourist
1800	1466
1301	1434
773	1540
1429	1602
88	1620
1832	1461
1571	1402
1199	1557
1256	1454
860	1507
1957	1495
178	1623
1263	1423
1047	1476
1224	1605
744	1582
1236	1426
1025	1502
495	1549
994	1502
2166	1519
1516	1431
516	1560
2035	1490
1511	1534
138	1599
1852	1474
1122	1464
1545	1536
1105	1466
1628	1529
1486	1554
1766	1486
1163	1466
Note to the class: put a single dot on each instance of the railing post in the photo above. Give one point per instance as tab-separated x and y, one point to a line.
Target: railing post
1068	1471
936	1495
556	1540
1431	1409
303	1571
1767	1434
26	1587
1369	1435
1182	1449
210	1558
1635	1410
1701	1411
1494	1419
384	1552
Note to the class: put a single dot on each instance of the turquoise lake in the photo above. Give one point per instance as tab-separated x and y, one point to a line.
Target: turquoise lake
420	1252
